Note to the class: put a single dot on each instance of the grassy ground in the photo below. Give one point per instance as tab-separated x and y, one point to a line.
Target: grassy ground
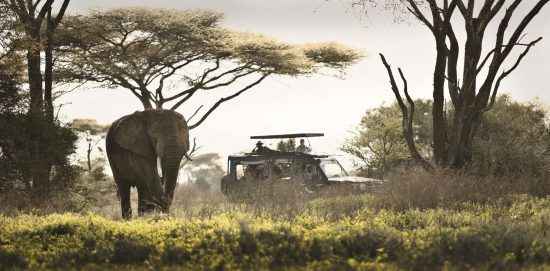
339	233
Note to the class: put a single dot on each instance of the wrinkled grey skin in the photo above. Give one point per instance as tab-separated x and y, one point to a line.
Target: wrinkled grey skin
133	144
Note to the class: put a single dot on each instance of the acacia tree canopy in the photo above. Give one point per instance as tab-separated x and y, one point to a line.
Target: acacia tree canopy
146	50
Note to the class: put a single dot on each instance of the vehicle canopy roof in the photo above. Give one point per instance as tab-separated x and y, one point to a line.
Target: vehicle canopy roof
282	136
275	154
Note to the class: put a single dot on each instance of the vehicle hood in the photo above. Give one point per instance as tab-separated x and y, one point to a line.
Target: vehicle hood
356	179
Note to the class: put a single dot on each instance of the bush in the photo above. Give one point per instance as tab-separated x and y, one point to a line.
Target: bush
514	138
510	236
28	146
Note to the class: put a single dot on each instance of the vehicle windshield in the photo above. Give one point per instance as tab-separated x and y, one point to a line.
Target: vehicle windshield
332	168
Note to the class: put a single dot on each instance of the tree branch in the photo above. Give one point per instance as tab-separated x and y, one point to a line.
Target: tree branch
43	11
408	116
419	15
222	100
523	24
495	50
196	111
507	72
61	13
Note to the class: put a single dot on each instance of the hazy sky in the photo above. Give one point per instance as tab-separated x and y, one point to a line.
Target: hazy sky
318	103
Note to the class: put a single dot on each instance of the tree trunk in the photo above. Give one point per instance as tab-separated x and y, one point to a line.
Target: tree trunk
438	112
35	77
88	156
38	154
48	73
466	111
145	99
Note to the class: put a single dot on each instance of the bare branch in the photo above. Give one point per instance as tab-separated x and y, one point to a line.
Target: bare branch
493	51
507	72
229	82
526	20
503	26
201	85
394	87
409	100
196	111
61	13
222	100
419	15
408	116
44	10
452	55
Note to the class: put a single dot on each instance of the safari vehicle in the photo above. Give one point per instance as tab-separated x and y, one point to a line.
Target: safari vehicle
306	171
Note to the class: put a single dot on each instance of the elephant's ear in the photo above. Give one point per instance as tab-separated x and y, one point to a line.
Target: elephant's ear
131	134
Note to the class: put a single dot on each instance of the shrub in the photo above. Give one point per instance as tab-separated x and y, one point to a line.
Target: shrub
513	138
497	235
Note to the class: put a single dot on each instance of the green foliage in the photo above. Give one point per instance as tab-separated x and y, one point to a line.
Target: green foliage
513	138
89	126
492	236
11	96
148	50
98	174
92	133
378	143
19	155
16	141
287	145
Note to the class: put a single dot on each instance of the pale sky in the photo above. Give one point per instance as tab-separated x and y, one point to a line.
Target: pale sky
318	103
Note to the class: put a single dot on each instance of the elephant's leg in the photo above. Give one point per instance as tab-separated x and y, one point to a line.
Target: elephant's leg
150	180
145	204
123	186
124	193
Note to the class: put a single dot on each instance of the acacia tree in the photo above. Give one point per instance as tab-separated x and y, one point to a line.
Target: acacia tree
92	132
475	91
148	50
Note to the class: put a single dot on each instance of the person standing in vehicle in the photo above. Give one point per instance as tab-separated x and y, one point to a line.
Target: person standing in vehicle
302	147
260	148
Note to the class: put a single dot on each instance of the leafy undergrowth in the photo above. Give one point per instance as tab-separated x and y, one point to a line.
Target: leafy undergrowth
504	234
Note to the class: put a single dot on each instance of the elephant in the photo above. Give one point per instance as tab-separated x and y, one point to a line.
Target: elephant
135	144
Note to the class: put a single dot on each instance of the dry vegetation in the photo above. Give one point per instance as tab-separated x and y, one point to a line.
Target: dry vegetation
416	221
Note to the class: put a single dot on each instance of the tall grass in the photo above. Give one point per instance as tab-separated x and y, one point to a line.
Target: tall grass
419	221
487	236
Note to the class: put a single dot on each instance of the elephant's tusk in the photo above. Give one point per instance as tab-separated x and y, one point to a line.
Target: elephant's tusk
159	166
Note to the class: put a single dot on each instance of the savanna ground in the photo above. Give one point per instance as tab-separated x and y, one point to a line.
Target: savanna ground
417	221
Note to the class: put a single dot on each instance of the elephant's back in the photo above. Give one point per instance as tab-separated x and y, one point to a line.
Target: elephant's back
110	143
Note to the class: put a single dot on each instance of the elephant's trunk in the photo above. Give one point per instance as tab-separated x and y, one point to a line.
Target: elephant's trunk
171	169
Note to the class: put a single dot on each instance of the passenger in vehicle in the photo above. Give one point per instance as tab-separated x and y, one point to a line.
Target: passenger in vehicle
310	174
260	148
302	147
251	173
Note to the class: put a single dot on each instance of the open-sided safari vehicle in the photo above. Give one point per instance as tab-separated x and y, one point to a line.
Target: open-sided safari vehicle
306	172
